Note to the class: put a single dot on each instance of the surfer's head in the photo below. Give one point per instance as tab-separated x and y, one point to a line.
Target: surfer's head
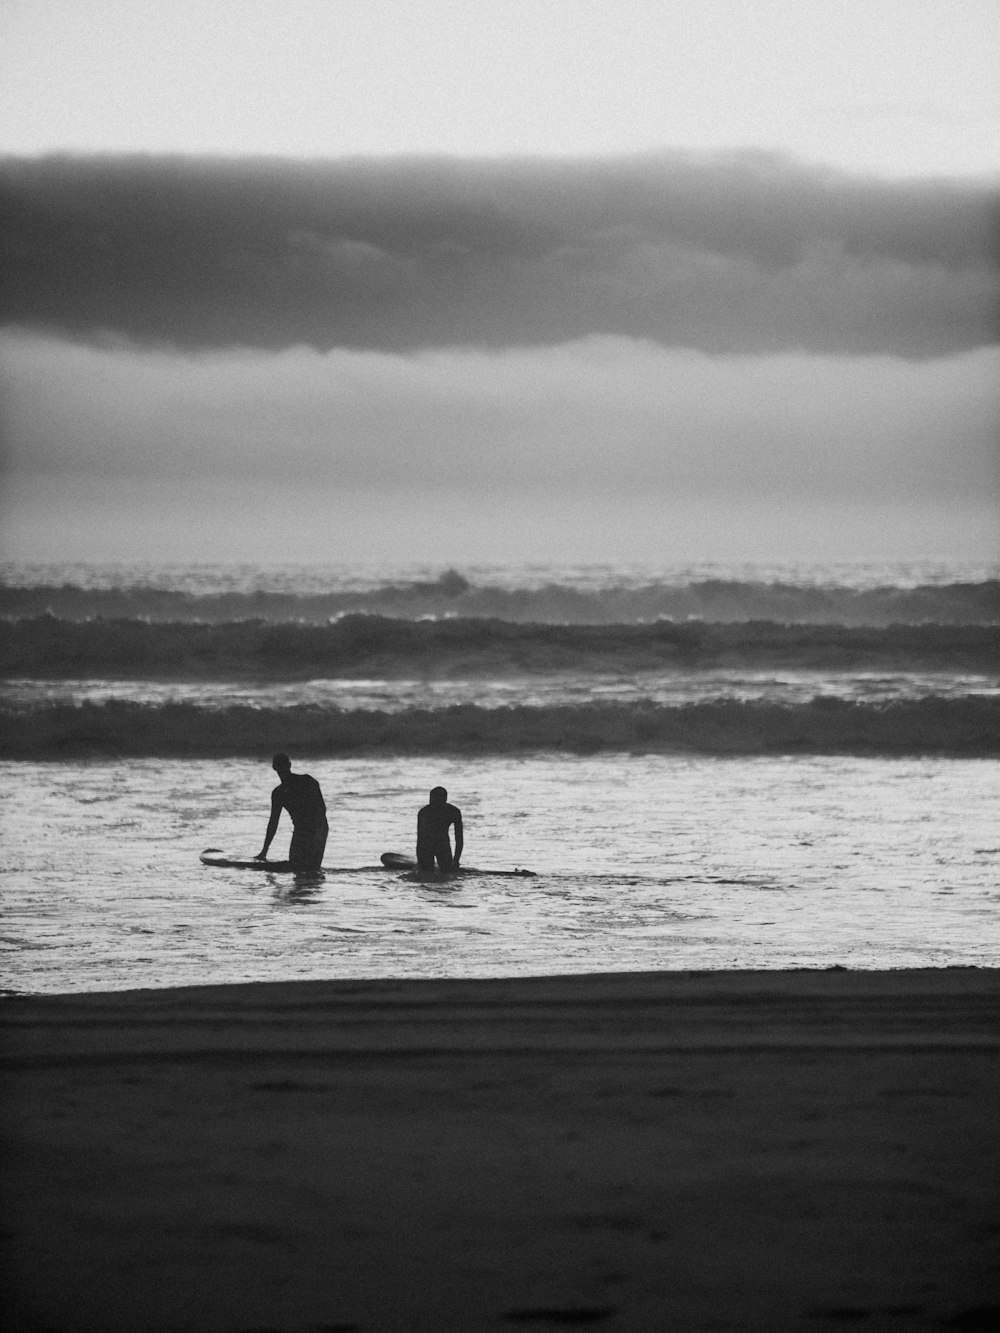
281	764
438	796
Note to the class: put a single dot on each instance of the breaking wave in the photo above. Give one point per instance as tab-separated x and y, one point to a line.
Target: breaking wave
964	726
362	645
714	599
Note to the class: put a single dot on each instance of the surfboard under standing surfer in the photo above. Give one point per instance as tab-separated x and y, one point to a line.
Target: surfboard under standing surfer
300	795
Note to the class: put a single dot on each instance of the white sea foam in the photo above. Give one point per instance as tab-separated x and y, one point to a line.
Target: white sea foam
666	688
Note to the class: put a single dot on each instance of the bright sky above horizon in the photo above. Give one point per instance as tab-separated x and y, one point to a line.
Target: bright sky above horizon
693	277
896	87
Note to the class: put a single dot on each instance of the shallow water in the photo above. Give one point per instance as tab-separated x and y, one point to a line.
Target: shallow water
644	862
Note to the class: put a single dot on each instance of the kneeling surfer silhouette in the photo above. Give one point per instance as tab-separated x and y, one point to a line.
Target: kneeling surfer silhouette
433	825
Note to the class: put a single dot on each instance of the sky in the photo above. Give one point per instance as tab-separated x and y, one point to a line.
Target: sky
465	281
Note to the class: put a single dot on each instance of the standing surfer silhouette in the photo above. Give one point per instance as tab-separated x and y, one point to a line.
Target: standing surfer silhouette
300	795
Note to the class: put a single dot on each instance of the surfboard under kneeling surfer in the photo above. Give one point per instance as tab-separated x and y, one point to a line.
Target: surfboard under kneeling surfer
433	825
300	795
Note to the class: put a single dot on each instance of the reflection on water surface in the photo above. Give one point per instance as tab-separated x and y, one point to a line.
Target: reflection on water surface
644	862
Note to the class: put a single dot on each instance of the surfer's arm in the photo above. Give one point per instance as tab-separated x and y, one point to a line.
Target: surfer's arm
459	838
272	826
421	831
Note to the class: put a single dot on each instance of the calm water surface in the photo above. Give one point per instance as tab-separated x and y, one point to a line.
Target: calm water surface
644	862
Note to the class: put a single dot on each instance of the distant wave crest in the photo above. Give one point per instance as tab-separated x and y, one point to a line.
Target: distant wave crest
717	600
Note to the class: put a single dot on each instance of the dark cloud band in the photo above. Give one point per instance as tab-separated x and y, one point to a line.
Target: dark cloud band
734	253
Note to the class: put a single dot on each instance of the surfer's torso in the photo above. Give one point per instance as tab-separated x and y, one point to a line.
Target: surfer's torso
434	823
300	795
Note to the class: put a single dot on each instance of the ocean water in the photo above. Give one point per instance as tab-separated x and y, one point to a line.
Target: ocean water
696	784
672	688
315	579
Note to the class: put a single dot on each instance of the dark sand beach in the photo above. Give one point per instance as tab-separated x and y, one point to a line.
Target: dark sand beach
766	1151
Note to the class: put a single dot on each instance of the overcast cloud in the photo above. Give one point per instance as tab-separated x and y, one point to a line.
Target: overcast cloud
725	254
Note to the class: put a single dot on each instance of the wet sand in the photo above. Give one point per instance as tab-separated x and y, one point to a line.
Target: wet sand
729	1151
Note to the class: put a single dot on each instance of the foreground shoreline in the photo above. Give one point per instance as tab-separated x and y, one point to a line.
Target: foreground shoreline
756	1150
